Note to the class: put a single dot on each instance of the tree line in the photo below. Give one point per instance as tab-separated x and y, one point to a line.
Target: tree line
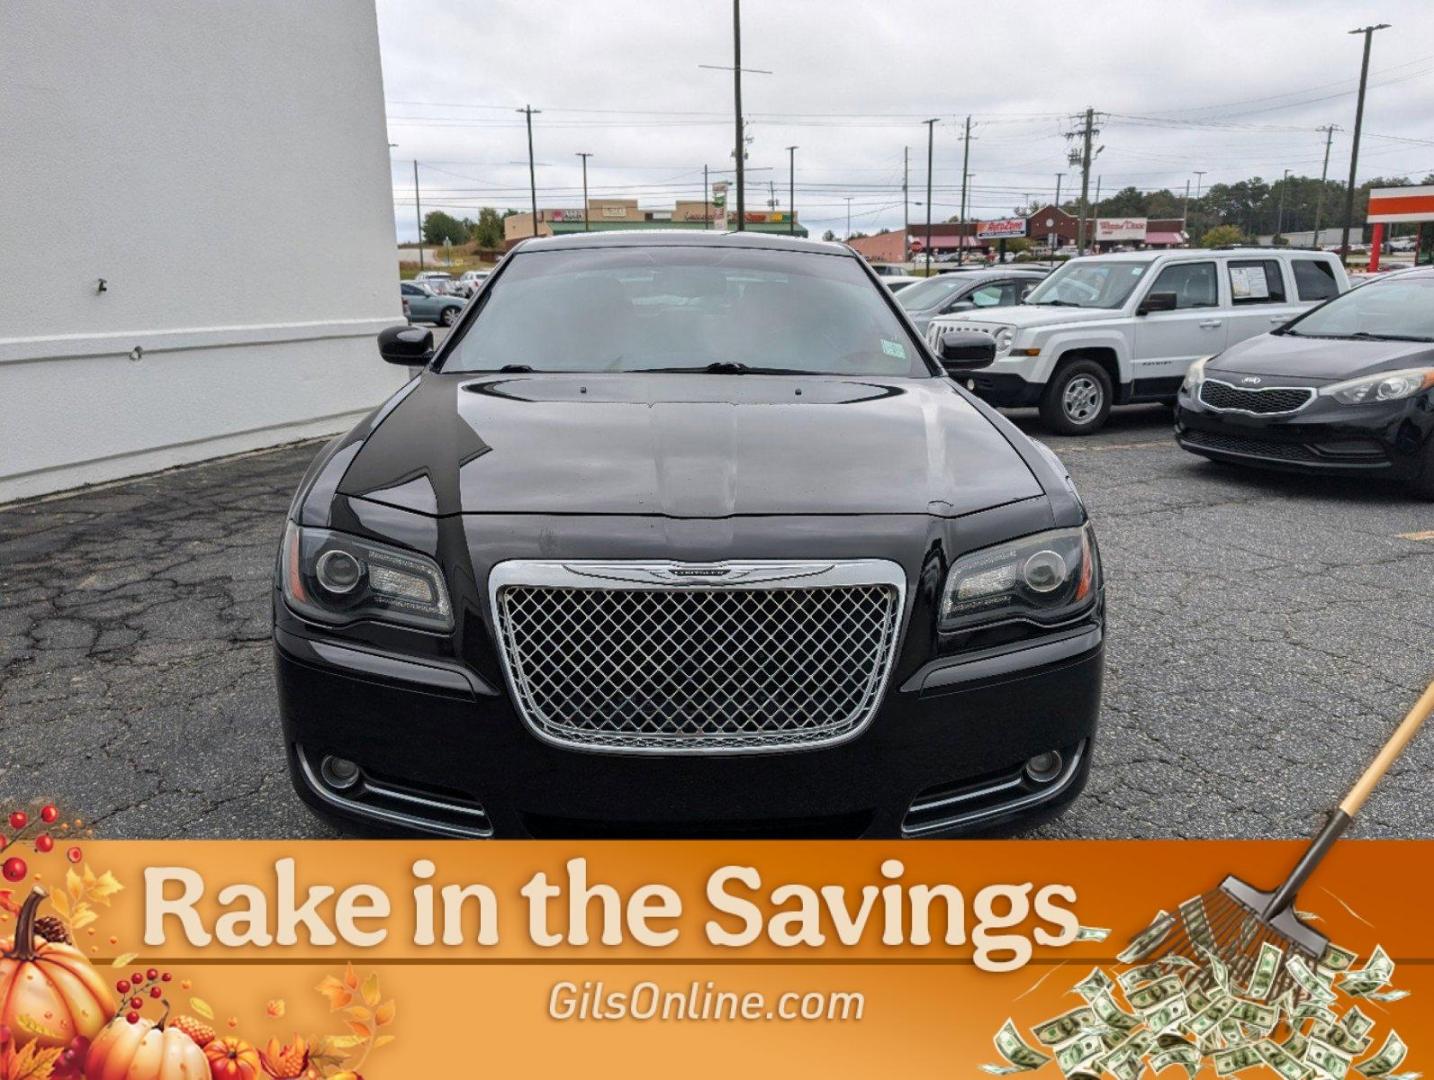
486	232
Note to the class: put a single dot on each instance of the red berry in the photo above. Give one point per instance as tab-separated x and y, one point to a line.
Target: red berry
74	854
15	869
152	974
49	815
155	992
132	1017
137	978
19	819
166	977
4	841
44	843
136	1003
122	986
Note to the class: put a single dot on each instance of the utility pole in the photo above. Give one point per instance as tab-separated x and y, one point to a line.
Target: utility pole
848	219
587	226
1368	32
1095	215
1185	208
1329	130
1055	235
1280	217
1199	178
706	202
741	148
930	145
906	201
528	111
418	213
791	191
1084	157
771	194
965	164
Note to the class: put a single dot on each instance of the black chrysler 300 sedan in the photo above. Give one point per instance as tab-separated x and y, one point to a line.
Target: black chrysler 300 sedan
687	534
1347	387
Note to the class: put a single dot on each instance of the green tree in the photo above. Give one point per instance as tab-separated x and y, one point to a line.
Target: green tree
438	227
1223	236
829	235
488	231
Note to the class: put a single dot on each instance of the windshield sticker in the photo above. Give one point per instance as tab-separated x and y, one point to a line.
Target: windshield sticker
1249	283
893	348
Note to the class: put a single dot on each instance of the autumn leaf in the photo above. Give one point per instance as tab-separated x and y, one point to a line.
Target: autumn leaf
7	902
103	888
84	915
371	994
338	994
276	1008
202	1007
363	1031
123	960
74	885
351	979
383	1040
359	1013
33	1063
384	1014
341	1042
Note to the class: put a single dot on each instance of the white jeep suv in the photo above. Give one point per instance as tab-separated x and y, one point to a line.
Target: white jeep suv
1118	329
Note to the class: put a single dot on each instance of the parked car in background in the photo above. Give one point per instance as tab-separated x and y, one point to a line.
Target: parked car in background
896	282
1117	329
588	574
1347	388
1403	243
470	280
973	290
423	304
440	281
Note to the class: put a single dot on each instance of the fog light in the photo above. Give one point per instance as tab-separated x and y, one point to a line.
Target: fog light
1043	768
339	773
338	571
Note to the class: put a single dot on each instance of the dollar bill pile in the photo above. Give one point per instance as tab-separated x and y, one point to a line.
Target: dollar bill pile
1192	1011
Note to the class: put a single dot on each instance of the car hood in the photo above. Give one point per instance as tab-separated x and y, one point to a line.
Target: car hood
687	446
1318	359
1025	315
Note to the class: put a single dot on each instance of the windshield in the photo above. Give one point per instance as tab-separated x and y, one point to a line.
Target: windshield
932	291
1397	308
687	309
1092	283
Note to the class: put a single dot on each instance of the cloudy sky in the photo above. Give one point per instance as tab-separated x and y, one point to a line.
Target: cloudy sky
1233	89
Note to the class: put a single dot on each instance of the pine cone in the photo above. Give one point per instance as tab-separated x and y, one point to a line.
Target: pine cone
52	929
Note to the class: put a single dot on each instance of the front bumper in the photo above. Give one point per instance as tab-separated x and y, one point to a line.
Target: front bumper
1383	438
1005	390
443	751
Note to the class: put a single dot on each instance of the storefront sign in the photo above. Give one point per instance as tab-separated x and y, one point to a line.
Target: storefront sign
719	204
1113	229
1000	230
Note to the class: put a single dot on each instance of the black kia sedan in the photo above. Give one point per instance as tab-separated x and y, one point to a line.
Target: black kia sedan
1347	387
687	534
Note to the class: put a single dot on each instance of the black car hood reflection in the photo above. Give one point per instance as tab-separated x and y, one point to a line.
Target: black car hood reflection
687	445
1314	360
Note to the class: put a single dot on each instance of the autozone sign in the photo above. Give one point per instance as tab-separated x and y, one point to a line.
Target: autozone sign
1389	205
1130	228
997	230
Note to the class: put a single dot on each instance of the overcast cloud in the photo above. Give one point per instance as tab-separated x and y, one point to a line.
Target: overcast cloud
1231	88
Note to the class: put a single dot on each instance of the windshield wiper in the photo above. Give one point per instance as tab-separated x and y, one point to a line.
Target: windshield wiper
513	368
1365	335
727	367
1053	303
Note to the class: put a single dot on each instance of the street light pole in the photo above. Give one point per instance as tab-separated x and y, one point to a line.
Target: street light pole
1280	217
930	146
848	219
1368	32
418	213
792	190
528	111
740	146
587	226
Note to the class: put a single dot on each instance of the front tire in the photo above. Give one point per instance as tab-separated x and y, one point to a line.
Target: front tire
448	316
1422	486
1077	400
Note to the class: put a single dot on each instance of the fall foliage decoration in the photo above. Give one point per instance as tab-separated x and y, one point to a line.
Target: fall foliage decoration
49	993
144	1050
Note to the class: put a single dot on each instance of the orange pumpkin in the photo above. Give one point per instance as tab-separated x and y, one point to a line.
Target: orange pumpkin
231	1058
49	994
144	1051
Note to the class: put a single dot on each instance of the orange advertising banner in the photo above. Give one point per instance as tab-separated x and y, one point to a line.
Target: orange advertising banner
404	959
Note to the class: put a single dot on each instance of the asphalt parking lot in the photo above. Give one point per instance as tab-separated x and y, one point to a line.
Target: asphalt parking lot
1266	633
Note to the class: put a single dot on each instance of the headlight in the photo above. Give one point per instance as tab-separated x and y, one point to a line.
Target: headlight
1005	338
1195	375
1386	386
1050	577
332	577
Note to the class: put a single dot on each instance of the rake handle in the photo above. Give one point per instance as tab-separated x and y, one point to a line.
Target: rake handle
1340	820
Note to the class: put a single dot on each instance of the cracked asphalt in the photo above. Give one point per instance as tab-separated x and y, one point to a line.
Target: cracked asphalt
1266	633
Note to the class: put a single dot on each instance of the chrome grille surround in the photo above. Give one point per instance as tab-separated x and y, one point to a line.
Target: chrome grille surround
656	657
1221	396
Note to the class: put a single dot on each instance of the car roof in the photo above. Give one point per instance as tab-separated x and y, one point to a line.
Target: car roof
683	238
1236	252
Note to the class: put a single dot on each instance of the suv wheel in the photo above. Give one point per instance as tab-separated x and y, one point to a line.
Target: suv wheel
1077	400
448	315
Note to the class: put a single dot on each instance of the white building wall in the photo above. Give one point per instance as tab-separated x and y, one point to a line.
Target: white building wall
224	167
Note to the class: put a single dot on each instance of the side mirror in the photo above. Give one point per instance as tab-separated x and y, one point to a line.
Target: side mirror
411	346
1158	301
960	305
965	350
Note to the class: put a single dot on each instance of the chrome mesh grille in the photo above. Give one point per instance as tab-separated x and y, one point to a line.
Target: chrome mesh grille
686	668
1224	397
